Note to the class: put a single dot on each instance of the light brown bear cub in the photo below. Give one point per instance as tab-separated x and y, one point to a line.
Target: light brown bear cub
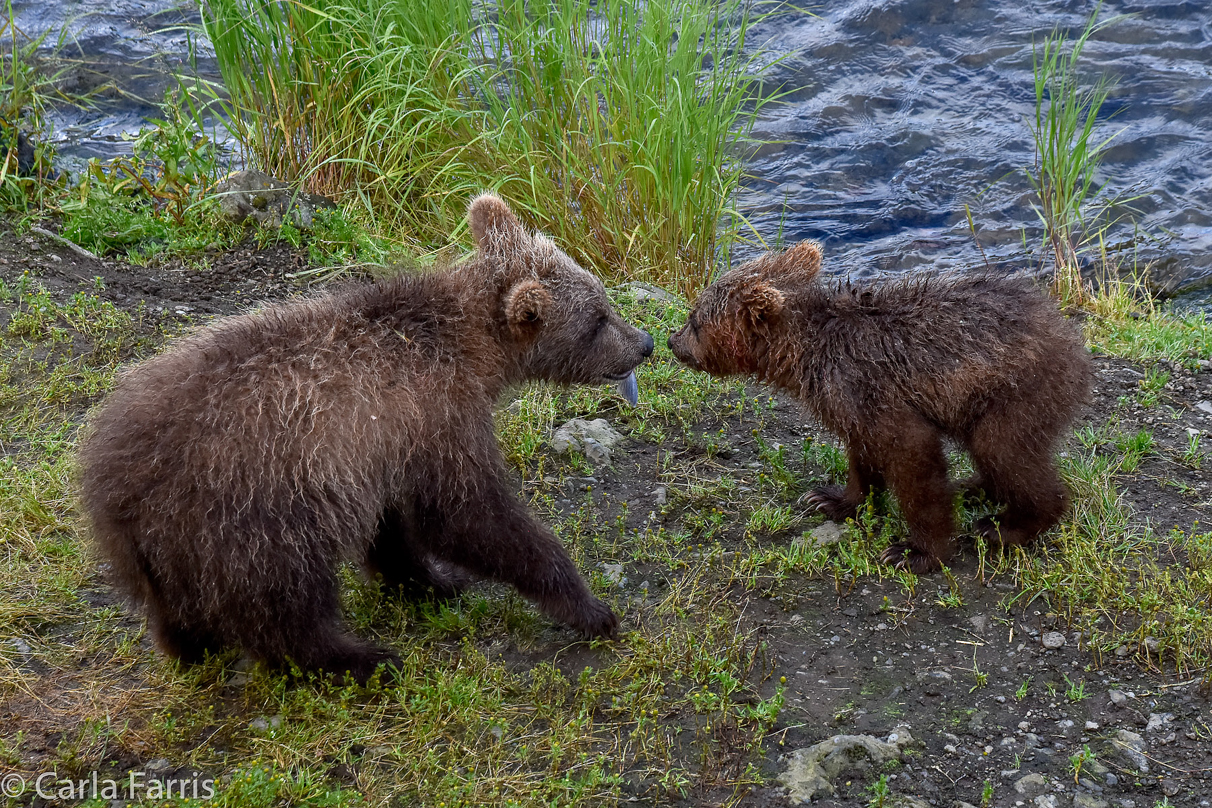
228	477
893	367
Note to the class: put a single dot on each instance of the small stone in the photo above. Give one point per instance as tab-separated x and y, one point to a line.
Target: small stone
1158	721
647	291
157	766
1082	800
821	536
1170	788
661	496
595	439
1122	651
614	574
21	646
1204	406
1046	801
1130	748
979	623
1091	726
1152	645
1053	640
1118	697
1031	786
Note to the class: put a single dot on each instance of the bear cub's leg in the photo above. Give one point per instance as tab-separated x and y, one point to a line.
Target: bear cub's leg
1024	478
840	504
492	535
395	558
917	474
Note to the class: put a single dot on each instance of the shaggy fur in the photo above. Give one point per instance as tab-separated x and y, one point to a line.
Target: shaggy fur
894	366
226	478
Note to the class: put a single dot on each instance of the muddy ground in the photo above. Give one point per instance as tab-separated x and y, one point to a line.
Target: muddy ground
851	664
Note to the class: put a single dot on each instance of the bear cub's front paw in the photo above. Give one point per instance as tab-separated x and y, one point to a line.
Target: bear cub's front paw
597	620
905	557
830	500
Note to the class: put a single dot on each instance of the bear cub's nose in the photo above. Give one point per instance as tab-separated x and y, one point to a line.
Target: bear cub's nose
649	344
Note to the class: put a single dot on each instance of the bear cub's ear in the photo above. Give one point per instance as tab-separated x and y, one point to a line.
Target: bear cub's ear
492	222
799	262
526	305
761	302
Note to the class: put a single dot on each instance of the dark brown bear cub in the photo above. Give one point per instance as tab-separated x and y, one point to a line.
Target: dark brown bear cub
227	478
894	366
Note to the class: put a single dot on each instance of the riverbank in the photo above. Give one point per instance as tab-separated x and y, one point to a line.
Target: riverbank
749	630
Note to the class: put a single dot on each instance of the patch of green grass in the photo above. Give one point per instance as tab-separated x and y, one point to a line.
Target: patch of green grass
1067	154
616	126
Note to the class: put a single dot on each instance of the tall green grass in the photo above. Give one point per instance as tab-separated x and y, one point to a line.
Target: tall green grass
616	126
1067	153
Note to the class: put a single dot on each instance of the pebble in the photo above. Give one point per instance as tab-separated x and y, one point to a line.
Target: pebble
1091	726
661	495
1118	698
1053	640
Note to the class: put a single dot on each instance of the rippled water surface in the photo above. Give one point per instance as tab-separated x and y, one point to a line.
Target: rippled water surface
900	112
897	114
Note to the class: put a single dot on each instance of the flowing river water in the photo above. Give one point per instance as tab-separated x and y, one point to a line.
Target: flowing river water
895	115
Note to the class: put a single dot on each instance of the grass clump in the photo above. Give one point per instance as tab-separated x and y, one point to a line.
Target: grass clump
617	127
1067	154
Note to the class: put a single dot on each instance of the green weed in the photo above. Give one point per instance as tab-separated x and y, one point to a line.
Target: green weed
598	121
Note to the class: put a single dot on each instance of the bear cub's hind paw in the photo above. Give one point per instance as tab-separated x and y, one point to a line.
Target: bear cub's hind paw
359	665
905	557
1006	536
830	500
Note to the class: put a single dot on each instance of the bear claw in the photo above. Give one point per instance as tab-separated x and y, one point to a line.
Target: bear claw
831	501
905	557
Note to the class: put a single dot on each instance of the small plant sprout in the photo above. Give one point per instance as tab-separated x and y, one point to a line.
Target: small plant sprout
1191	455
980	678
880	793
1021	693
952	598
987	794
1076	690
1078	761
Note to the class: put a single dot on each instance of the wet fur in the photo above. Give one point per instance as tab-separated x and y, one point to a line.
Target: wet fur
227	478
895	366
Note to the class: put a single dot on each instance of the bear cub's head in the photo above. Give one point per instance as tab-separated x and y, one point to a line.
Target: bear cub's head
734	320
555	312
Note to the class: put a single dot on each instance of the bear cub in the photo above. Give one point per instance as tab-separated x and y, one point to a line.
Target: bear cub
227	478
894	366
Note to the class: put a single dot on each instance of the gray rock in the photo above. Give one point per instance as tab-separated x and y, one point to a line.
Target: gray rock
265	724
595	439
157	766
660	496
1130	748
1032	786
905	801
1158	721
979	623
1047	801
811	770
1204	406
1088	801
1118	697
255	195
1053	640
821	536
614	574
21	646
647	291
